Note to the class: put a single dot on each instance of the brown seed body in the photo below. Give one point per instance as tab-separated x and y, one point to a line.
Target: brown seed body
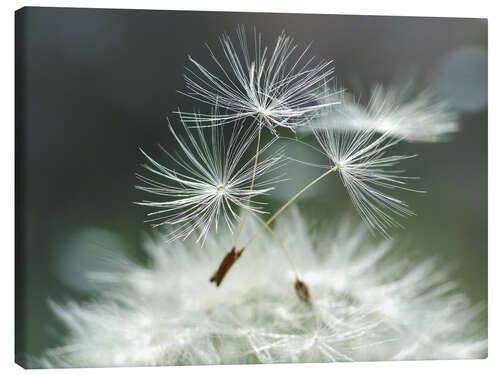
227	262
302	291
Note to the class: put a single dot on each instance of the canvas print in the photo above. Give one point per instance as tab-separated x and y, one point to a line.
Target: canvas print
207	188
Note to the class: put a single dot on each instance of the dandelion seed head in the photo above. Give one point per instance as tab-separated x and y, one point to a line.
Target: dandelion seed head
407	114
367	304
279	86
212	179
367	174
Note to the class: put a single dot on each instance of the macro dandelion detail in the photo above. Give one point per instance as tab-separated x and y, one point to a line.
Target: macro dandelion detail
210	179
368	305
277	220
360	159
408	114
279	86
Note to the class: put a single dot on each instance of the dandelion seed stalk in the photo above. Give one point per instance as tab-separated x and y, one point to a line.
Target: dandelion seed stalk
278	241
232	256
290	201
243	219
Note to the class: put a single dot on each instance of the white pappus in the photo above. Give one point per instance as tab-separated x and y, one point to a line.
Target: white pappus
410	115
368	303
366	172
280	86
212	178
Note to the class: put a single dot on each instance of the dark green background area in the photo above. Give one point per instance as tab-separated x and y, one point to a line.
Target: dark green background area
94	85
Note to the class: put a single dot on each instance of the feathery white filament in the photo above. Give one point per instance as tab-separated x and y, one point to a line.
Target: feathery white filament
361	161
283	86
368	303
210	180
416	118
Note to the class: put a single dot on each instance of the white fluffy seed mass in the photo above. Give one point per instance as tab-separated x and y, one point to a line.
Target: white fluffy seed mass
368	303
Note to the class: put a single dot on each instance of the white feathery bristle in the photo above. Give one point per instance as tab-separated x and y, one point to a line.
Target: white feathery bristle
281	86
368	303
212	178
409	116
366	172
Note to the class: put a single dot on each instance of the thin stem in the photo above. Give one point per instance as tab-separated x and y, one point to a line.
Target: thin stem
234	254
278	240
243	219
275	215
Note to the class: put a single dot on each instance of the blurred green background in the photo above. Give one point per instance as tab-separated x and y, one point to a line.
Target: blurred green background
94	85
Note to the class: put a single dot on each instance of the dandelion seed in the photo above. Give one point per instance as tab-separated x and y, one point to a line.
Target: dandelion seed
360	159
210	182
369	304
302	291
416	118
227	262
282	87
